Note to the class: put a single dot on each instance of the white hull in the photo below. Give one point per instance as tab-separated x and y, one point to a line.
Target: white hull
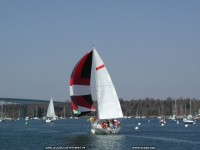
188	121
27	118
53	119
98	128
36	118
48	121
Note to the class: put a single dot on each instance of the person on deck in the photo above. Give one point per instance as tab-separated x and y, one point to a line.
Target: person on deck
108	123
113	123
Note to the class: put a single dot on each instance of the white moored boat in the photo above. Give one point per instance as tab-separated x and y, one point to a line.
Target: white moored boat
51	116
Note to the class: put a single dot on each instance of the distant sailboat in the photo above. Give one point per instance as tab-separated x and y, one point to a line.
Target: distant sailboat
137	115
107	100
19	115
44	116
189	119
1	119
162	118
51	116
36	115
64	113
174	116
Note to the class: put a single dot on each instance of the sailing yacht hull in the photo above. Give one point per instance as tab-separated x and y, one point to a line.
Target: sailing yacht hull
48	121
188	121
99	128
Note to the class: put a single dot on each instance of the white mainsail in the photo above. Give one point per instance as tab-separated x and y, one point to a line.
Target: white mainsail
50	110
108	101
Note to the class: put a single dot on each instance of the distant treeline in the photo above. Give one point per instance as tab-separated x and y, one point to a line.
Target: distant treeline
156	107
135	107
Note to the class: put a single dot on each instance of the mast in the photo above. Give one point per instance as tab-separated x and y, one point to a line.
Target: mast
162	109
185	109
175	112
64	113
93	61
1	109
36	112
19	113
44	110
190	107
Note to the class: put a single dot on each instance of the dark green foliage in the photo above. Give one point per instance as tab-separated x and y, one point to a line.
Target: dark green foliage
142	107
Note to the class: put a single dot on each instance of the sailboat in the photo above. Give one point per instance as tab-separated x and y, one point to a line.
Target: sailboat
137	116
51	116
1	119
162	118
19	115
36	118
189	119
109	108
174	116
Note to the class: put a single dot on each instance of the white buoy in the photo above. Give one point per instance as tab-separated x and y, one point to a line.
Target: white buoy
136	128
177	122
149	121
162	124
139	124
186	125
93	131
194	122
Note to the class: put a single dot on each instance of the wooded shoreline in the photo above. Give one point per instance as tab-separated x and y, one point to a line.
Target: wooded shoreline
147	107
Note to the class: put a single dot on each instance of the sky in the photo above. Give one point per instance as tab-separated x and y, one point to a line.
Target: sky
150	48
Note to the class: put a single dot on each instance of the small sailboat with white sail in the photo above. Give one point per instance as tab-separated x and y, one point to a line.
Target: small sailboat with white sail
51	116
109	108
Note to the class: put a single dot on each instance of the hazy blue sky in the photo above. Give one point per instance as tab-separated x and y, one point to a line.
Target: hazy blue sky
151	48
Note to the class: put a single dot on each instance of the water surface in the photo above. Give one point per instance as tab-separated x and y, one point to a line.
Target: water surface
75	133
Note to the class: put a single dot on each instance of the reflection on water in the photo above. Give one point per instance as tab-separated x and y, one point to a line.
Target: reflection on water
78	140
171	136
99	142
109	141
76	132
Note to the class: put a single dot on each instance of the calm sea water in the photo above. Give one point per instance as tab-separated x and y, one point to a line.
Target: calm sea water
75	134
